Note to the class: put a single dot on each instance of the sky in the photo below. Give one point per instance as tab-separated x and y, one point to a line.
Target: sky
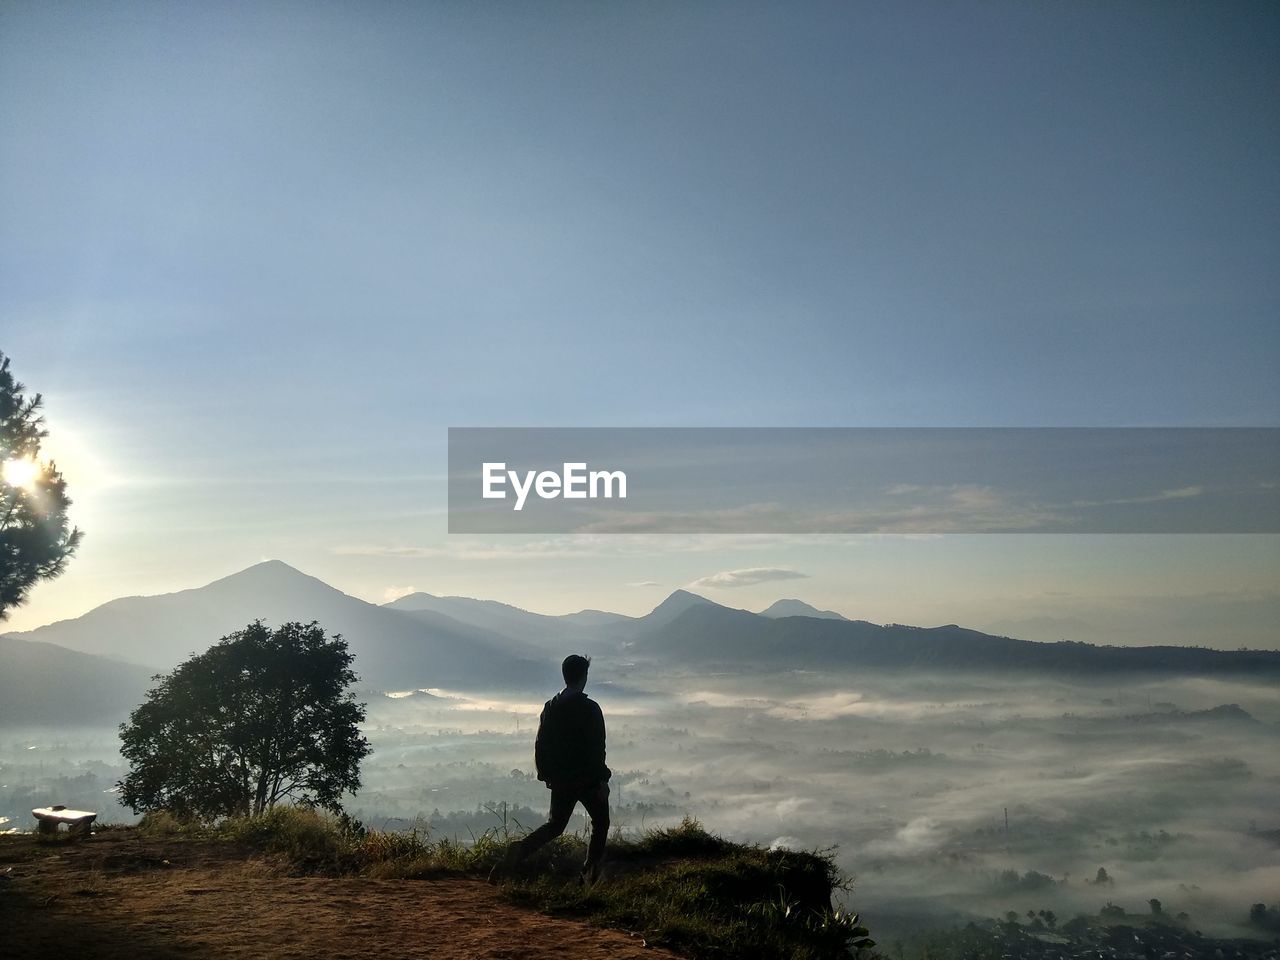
259	257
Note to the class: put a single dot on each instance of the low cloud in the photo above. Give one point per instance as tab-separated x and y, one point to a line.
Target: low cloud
395	593
643	583
1180	493
747	577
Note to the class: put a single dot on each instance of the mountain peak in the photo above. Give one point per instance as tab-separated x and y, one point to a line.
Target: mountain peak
798	608
269	574
418	600
268	566
679	600
673	606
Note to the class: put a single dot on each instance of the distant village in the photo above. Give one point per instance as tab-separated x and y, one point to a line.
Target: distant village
1107	937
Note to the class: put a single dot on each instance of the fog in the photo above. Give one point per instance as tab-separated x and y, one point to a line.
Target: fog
907	776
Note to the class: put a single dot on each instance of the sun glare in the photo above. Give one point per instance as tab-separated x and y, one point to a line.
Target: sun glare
21	473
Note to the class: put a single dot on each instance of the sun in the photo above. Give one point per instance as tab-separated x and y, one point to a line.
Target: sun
21	473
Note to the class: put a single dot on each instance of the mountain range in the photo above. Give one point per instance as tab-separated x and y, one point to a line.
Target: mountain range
97	665
132	638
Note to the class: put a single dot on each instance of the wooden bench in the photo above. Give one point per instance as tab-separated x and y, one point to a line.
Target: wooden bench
77	821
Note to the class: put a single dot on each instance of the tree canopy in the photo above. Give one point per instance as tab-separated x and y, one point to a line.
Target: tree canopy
261	717
36	539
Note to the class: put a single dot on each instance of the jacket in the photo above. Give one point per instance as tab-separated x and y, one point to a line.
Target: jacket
569	749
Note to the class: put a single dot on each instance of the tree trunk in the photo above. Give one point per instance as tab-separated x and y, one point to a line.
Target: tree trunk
260	801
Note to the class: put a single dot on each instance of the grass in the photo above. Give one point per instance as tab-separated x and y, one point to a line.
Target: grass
679	887
710	899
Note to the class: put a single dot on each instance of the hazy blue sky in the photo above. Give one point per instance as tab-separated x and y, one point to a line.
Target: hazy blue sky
259	256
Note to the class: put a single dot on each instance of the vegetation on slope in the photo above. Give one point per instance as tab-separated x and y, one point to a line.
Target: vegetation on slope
682	887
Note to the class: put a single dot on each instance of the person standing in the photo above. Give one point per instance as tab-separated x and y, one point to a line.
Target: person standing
569	757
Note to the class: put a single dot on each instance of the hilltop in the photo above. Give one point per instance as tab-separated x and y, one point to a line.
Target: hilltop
122	896
293	884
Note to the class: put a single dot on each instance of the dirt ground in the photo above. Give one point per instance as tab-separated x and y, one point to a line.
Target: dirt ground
115	895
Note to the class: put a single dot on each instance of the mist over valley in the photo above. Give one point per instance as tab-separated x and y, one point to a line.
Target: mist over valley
959	775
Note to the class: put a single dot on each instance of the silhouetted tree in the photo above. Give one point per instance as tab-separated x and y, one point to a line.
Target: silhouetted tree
35	538
261	717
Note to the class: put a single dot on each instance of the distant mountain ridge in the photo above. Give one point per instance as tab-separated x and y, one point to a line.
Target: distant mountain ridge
545	632
99	663
43	685
393	649
710	634
798	608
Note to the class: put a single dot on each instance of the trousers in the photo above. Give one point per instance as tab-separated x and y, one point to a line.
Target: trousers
594	798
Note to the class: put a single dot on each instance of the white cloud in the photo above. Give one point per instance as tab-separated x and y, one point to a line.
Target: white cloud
747	577
395	593
1180	493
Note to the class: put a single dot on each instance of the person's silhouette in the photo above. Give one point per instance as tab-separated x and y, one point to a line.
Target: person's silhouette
569	756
